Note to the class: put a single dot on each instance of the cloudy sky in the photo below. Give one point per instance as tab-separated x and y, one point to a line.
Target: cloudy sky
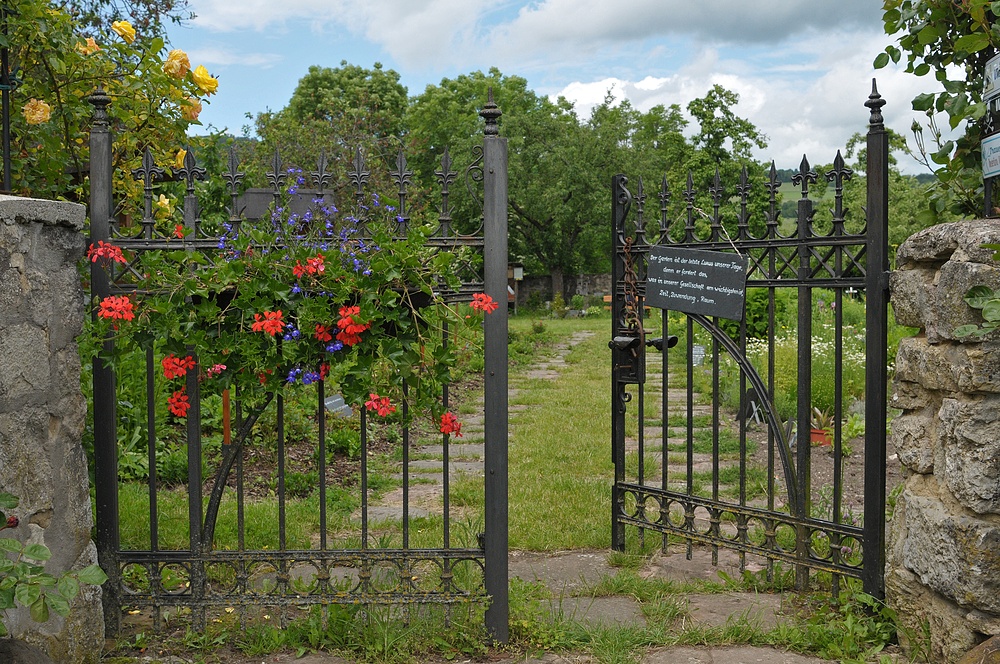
802	68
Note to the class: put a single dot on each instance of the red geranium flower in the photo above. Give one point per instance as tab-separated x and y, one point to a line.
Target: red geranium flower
117	307
270	323
107	253
350	330
451	425
380	405
175	367
178	403
323	333
485	303
179	231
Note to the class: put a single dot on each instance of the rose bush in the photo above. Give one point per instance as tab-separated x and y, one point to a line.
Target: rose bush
155	98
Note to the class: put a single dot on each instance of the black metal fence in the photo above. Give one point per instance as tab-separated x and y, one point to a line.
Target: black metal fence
683	466
363	559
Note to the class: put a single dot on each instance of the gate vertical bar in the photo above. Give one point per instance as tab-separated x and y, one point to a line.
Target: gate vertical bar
803	449
495	373
105	438
876	314
619	208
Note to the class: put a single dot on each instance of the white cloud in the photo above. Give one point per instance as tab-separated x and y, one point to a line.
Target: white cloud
416	33
223	58
587	25
813	108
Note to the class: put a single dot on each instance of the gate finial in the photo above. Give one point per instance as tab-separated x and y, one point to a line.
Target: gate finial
100	100
875	103
491	113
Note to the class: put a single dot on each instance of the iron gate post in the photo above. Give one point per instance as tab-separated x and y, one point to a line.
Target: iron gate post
495	575
876	337
619	209
105	438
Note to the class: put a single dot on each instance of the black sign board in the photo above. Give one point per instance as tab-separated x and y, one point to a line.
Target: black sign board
711	283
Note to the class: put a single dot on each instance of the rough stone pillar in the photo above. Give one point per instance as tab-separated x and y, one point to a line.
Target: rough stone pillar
943	558
42	410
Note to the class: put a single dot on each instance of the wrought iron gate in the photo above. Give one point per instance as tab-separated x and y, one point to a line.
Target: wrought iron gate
358	567
683	466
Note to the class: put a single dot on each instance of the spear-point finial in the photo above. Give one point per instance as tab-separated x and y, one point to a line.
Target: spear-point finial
875	104
491	113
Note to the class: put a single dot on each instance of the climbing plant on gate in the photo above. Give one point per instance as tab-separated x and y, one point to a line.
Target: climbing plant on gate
352	297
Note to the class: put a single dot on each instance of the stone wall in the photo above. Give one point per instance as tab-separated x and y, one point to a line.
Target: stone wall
580	284
42	410
943	558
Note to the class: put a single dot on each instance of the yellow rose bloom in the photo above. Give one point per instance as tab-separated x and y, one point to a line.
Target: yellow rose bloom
205	81
87	48
164	207
124	30
177	63
37	111
190	109
179	159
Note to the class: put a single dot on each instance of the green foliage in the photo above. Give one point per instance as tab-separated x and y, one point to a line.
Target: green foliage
988	302
944	39
334	112
291	300
24	581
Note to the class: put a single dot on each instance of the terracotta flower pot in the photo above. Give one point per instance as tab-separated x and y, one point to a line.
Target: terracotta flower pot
820	437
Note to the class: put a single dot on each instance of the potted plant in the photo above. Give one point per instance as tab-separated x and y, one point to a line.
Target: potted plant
821	432
24	582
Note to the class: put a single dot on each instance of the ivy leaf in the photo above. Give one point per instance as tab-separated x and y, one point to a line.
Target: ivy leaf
978	296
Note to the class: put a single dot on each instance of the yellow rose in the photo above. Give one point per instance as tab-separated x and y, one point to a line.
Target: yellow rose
88	48
124	30
190	109
164	207
177	63
37	111
205	81
179	159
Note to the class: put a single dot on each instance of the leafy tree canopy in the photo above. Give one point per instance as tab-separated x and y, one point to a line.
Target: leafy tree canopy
950	41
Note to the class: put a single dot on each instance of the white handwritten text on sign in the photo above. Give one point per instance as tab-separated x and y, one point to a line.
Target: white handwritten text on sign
695	281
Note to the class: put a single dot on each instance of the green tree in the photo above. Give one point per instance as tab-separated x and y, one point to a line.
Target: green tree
940	38
334	112
148	16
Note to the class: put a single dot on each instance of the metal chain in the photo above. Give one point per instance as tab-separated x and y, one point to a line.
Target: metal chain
633	317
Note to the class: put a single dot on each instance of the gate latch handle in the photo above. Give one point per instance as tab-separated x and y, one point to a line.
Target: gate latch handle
659	343
624	343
